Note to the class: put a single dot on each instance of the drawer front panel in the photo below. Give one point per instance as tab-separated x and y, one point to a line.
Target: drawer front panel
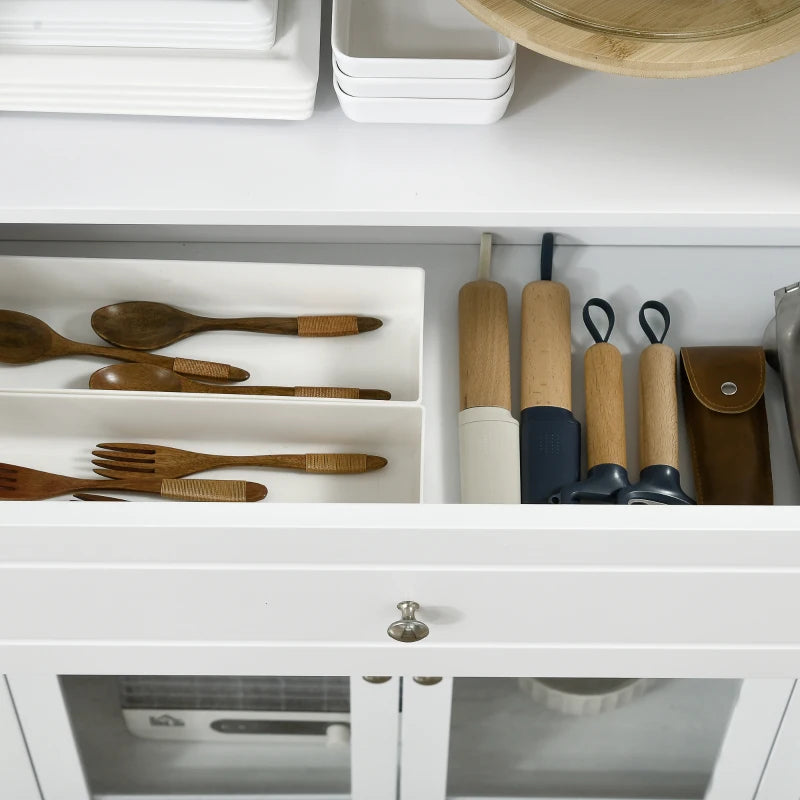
347	607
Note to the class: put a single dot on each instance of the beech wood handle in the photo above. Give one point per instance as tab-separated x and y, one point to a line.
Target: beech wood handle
483	348
605	406
658	407
546	346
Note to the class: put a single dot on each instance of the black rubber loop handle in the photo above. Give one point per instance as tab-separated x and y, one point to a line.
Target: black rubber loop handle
597	302
546	269
655	305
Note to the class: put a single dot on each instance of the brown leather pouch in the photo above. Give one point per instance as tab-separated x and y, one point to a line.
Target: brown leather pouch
723	401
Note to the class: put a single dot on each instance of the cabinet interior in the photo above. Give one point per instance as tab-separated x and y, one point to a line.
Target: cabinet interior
716	295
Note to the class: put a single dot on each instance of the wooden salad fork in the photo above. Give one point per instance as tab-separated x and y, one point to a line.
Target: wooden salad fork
23	483
171	462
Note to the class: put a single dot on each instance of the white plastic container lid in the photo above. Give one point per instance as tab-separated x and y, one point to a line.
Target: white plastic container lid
416	38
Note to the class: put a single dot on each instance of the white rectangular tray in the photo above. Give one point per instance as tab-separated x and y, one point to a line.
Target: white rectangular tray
57	431
196	83
428	111
416	38
437	88
64	292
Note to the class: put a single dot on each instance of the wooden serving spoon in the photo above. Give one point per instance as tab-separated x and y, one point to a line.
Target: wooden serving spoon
25	340
148	378
143	325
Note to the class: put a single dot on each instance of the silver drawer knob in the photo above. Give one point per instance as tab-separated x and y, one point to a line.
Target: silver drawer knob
408	628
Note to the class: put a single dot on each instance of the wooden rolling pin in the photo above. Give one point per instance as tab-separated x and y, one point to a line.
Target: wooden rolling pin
488	434
550	437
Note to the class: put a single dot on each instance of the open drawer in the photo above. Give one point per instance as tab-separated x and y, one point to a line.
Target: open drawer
598	591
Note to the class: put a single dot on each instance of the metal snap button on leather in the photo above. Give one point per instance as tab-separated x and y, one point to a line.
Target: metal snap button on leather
729	388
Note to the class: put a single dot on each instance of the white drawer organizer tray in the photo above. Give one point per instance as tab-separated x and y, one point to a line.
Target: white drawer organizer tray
215	24
279	83
52	421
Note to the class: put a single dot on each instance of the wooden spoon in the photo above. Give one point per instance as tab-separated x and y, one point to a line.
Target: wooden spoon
148	378
142	325
25	340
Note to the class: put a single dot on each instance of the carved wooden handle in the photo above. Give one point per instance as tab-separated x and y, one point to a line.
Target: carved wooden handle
546	346
658	407
210	491
343	325
605	406
484	360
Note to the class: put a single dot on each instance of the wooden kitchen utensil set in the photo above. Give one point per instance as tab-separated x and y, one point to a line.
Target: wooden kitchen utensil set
136	327
543	464
139	326
161	470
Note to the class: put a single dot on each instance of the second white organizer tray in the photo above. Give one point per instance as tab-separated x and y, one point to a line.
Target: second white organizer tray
57	431
64	292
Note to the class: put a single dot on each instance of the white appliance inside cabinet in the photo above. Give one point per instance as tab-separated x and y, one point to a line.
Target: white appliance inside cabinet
84	747
416	738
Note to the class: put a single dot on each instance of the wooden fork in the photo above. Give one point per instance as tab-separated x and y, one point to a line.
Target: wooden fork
23	483
170	462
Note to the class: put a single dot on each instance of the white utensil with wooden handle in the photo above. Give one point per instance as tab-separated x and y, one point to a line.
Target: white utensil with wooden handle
488	434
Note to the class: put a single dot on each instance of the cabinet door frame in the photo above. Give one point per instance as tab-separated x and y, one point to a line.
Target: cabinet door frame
17	776
743	756
44	720
781	778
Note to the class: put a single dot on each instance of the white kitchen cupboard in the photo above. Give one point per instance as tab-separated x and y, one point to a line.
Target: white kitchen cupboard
709	168
695	593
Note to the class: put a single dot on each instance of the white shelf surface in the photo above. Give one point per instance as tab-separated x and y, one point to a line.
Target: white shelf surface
714	159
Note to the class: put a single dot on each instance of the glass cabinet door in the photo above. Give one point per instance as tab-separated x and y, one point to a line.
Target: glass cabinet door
587	739
584	738
194	736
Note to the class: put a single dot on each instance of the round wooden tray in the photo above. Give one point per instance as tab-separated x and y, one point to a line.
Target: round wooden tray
650	38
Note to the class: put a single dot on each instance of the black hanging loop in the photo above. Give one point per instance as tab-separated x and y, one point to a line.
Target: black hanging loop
546	268
597	302
654	305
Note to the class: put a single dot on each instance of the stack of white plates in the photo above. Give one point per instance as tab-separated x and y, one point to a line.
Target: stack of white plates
279	83
211	24
419	61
